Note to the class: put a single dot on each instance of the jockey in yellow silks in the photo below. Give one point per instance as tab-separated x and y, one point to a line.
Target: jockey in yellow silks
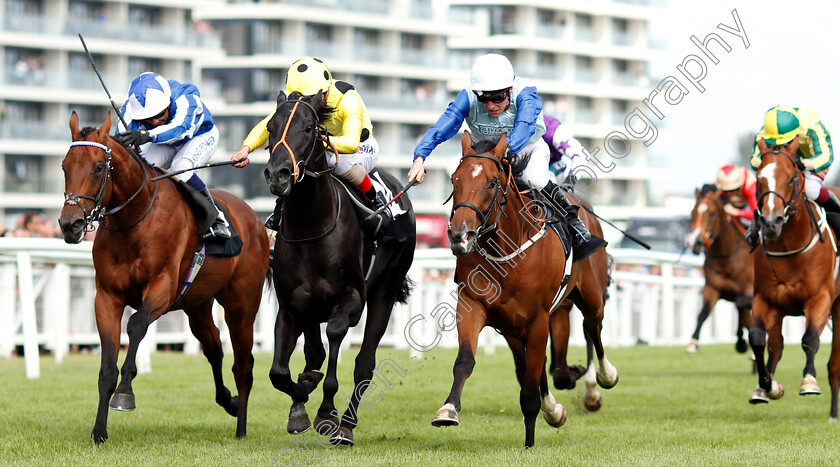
781	125
349	127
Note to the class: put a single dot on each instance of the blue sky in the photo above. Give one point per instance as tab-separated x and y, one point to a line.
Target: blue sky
789	60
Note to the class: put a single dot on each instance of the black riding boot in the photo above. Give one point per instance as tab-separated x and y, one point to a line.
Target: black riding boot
832	211
376	201
219	229
752	232
271	220
583	243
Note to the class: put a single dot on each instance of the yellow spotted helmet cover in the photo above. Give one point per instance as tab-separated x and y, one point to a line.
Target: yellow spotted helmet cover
307	76
781	125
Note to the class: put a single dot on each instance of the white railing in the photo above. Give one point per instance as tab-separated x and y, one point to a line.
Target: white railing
47	293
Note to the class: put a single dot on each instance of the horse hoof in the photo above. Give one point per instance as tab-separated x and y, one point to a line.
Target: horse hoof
122	402
307	382
605	382
98	438
741	346
692	347
326	426
343	436
554	419
446	416
298	419
232	407
776	390
809	386
759	396
592	402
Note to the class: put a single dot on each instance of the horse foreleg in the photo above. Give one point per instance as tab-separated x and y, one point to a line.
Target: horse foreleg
337	326
744	304
108	317
378	315
469	326
529	395
518	351
816	318
286	333
154	305
710	297
763	316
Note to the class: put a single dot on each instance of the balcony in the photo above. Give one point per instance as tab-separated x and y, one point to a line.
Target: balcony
550	31
32	184
33	131
38	24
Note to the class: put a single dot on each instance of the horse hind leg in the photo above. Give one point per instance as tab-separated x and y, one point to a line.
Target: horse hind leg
563	375
743	303
204	329
834	361
592	399
607	374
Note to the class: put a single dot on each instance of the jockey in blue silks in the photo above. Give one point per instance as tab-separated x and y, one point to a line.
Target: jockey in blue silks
174	130
498	103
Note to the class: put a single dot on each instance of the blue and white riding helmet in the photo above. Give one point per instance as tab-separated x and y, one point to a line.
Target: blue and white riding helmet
148	95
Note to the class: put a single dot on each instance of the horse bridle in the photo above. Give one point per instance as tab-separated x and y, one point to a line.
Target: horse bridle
300	165
96	214
496	202
709	238
798	190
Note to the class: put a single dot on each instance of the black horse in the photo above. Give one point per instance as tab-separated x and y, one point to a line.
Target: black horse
321	259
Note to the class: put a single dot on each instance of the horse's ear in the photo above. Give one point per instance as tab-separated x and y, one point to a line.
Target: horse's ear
793	146
762	146
74	127
466	143
281	97
697	192
499	150
105	129
317	100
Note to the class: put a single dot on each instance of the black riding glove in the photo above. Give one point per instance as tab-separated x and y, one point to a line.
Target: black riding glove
133	138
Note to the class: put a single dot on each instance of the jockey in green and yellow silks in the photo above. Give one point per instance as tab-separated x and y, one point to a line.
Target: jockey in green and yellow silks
781	125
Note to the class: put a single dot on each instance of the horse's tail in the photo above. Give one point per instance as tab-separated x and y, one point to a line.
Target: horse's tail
610	280
405	290
269	273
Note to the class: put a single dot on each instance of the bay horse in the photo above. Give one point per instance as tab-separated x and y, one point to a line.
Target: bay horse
728	268
142	255
795	274
325	253
513	292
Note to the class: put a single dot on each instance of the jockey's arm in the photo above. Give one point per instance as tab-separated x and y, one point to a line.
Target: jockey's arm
182	126
528	108
823	156
445	128
257	137
351	115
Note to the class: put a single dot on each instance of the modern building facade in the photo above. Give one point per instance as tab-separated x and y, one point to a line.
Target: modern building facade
408	59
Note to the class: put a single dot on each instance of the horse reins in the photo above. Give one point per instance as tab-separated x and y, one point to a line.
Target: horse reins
96	214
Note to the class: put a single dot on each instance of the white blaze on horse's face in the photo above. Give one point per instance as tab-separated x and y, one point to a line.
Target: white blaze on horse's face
768	174
477	168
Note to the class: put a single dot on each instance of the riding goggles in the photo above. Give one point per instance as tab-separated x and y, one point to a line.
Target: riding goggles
497	97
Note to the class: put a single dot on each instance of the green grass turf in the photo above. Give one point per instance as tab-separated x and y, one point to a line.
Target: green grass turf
669	408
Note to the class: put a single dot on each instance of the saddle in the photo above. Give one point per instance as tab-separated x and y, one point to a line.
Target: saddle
205	214
399	229
554	219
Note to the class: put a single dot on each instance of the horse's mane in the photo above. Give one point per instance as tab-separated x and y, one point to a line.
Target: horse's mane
87	130
324	111
483	146
707	188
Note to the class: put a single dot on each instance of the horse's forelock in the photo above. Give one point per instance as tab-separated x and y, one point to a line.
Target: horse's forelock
707	188
86	131
483	146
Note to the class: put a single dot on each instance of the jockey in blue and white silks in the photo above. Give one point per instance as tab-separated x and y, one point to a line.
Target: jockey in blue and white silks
499	103
173	129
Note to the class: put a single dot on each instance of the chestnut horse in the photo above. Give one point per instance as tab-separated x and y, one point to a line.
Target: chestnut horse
795	273
325	255
142	255
728	268
512	292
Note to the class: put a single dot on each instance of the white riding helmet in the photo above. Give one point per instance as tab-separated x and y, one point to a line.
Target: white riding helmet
148	95
491	72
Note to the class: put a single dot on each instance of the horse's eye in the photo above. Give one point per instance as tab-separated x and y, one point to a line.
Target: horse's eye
309	128
494	183
99	168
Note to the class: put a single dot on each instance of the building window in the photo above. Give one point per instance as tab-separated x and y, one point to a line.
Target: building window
138	65
25	66
23	174
503	20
